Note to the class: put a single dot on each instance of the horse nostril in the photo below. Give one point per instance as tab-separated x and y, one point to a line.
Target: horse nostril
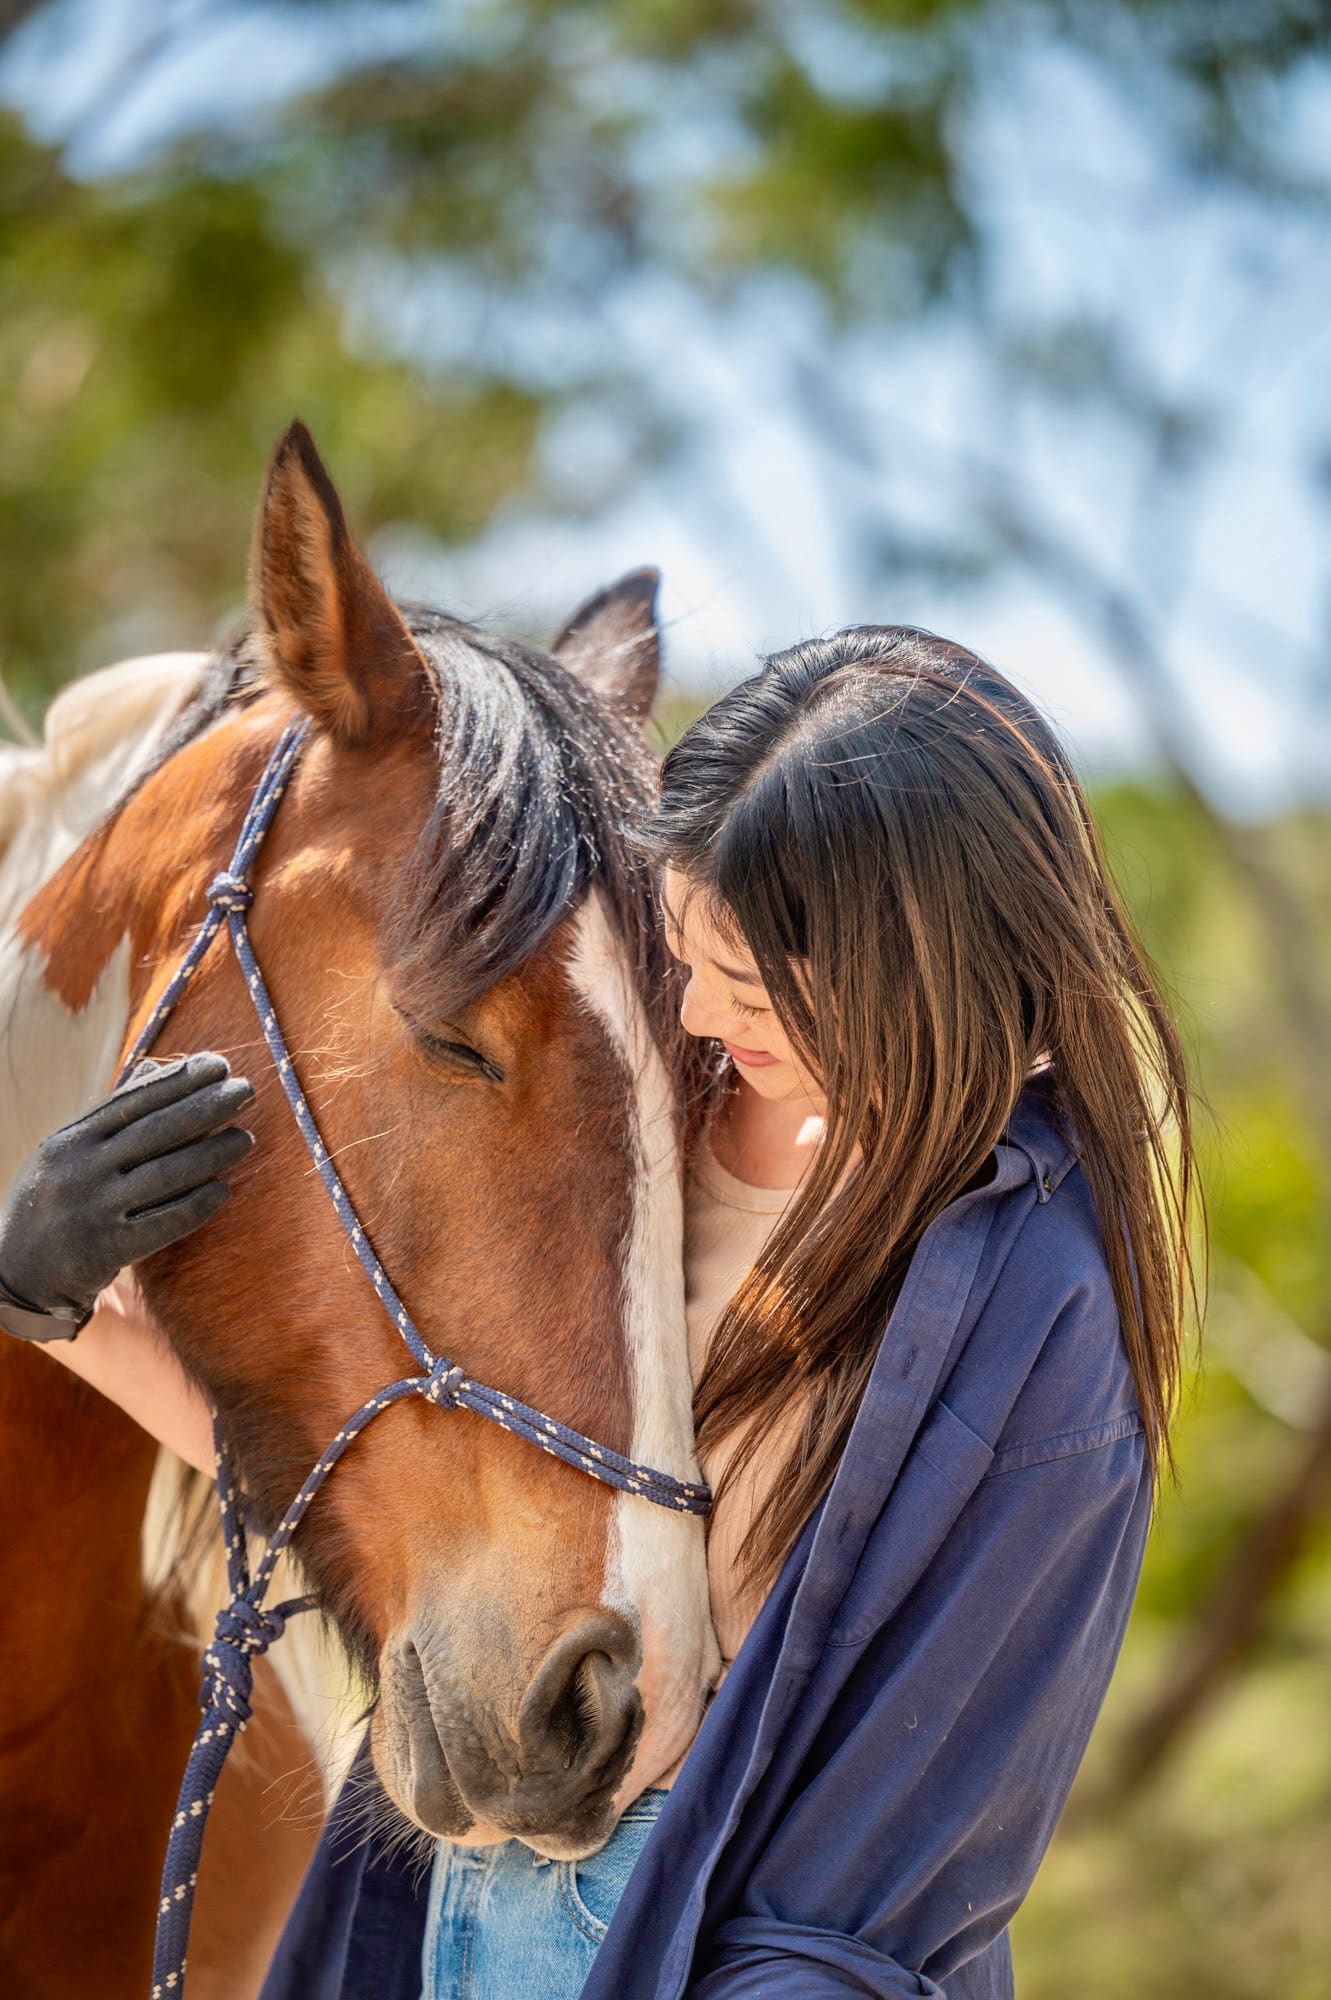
579	1714
583	1710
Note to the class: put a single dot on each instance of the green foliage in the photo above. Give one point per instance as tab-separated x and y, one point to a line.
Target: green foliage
160	333
161	326
1213	1881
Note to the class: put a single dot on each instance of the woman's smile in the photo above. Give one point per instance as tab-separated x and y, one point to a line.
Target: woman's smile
751	1058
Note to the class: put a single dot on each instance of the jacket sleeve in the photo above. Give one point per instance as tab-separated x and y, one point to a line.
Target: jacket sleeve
931	1793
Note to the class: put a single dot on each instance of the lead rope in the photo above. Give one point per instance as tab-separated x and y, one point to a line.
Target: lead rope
245	1629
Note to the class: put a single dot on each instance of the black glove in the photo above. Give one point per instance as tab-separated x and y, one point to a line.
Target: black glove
129	1177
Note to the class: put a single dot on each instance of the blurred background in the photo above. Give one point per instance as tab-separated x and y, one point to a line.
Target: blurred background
1007	317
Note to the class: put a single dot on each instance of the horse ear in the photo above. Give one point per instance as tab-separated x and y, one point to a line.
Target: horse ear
612	642
329	630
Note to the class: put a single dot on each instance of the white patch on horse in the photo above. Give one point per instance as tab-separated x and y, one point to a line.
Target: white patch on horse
656	1566
98	733
54	1062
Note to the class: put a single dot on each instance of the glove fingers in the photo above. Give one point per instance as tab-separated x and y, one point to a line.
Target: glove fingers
178	1123
149	1087
155	1227
172	1174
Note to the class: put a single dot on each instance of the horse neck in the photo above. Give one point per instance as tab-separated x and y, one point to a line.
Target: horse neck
69	968
78	1471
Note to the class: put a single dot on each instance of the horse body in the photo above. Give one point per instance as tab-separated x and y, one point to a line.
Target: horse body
455	941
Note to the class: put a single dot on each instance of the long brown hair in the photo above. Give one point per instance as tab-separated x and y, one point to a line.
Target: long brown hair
898	838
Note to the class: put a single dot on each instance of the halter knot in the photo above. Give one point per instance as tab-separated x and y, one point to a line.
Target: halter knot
229	892
446	1378
244	1631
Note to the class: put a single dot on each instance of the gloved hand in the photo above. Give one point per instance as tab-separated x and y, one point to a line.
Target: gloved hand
128	1177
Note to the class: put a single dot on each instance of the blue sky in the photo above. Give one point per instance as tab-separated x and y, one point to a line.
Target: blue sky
1220	299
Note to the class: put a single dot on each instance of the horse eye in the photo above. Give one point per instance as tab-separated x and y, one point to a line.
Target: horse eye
459	1055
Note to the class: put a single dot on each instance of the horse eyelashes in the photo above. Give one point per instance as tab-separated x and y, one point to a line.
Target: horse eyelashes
460	1055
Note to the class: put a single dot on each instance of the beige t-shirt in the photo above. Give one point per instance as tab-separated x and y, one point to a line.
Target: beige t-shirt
727	1222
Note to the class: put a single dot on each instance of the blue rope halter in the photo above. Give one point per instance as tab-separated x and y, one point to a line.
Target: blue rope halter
245	1628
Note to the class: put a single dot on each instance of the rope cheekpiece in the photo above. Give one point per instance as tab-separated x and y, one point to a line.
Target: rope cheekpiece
245	1629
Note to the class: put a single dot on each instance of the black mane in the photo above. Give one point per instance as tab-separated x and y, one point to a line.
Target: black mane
541	782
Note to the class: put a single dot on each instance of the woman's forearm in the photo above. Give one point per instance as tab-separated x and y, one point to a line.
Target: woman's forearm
120	1353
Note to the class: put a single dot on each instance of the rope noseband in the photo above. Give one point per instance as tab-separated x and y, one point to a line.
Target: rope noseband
245	1629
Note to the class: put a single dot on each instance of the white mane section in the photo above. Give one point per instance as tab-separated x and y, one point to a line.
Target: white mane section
100	732
656	1568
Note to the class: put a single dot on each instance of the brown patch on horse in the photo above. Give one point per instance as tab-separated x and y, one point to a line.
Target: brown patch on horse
81	1680
76	933
127	879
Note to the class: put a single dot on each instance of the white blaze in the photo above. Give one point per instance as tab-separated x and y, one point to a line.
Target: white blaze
656	1568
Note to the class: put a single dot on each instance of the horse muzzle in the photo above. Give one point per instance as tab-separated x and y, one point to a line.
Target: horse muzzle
467	1749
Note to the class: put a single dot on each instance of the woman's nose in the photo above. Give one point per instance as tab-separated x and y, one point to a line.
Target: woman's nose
698	1015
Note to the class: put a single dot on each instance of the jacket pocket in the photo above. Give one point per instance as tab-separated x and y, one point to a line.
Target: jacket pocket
579	1913
942	1470
953	1449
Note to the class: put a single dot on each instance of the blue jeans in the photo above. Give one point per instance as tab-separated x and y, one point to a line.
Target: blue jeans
506	1924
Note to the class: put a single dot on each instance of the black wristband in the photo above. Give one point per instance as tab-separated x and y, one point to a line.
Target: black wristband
29	1322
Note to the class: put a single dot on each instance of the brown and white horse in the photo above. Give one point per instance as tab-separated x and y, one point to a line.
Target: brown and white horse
462	946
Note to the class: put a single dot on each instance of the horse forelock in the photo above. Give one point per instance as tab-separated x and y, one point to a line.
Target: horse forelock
540	782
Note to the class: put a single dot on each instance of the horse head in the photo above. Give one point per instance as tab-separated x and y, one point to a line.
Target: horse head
462	945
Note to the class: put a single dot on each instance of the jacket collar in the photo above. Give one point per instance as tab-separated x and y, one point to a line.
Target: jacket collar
1035	1130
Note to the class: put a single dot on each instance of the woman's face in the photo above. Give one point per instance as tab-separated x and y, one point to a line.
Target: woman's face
726	1001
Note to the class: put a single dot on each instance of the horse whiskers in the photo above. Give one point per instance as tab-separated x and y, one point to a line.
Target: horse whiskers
375	1822
297	1796
303	1802
397	1838
368	1139
388	1132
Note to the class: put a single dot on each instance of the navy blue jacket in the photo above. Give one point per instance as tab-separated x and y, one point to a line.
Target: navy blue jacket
882	1768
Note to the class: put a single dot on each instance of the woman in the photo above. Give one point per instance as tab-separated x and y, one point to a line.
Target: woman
937	1264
